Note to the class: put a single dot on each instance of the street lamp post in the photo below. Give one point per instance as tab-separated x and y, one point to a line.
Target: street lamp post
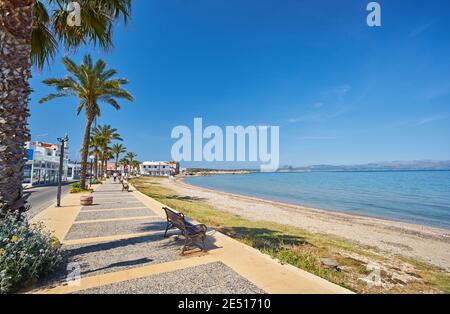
63	141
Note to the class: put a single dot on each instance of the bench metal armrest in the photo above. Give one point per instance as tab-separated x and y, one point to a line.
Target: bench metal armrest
198	229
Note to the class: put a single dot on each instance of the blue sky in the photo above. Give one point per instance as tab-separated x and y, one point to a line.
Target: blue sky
341	92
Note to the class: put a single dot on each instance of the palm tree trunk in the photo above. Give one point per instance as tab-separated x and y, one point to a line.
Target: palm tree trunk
16	19
85	148
103	166
117	160
95	174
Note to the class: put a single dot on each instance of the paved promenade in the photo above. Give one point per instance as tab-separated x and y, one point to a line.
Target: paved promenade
117	246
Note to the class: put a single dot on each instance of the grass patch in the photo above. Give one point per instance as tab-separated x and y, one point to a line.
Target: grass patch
303	249
76	188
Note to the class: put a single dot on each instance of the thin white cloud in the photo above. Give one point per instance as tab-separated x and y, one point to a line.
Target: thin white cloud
420	121
438	91
317	117
432	119
318	137
420	29
340	90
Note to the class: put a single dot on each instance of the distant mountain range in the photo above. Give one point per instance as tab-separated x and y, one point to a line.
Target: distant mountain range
378	166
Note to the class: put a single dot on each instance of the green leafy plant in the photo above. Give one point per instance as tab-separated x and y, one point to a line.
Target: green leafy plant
76	188
96	181
27	253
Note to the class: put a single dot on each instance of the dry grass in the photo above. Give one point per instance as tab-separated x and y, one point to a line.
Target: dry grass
304	249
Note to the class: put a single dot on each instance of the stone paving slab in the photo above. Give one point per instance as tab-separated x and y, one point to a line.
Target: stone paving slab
111	191
109	228
107	214
113	195
212	278
109	200
100	205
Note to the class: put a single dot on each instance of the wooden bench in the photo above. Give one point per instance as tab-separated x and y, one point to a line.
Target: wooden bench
125	186
193	234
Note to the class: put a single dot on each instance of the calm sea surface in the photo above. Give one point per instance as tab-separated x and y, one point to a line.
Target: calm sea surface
421	197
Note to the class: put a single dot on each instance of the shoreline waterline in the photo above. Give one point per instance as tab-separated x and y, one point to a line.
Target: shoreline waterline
312	208
429	244
420	198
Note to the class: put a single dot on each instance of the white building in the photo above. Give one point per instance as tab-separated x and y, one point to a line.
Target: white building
42	165
155	168
73	171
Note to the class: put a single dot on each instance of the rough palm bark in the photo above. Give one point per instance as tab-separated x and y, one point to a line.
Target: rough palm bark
85	150
16	18
95	166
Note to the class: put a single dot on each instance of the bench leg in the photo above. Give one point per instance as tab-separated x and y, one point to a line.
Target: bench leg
203	242
186	241
168	226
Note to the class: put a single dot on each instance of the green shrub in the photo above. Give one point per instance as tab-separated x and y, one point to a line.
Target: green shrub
96	181
76	188
27	253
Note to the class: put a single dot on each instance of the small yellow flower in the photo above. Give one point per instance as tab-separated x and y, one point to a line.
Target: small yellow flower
55	242
2	251
14	238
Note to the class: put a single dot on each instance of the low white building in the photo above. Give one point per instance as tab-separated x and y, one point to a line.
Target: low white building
42	166
73	171
155	168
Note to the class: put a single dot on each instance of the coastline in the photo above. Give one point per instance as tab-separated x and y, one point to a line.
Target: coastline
429	244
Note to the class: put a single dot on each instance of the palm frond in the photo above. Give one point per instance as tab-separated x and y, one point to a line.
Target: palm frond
53	96
97	21
43	44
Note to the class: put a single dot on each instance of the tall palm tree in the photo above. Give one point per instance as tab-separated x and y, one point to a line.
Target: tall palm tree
95	144
135	164
118	149
92	84
29	34
108	155
108	134
125	162
131	156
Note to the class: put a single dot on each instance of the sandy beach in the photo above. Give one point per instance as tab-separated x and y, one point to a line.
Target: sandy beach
425	243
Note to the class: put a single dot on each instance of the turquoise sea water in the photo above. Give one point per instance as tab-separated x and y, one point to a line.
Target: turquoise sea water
421	197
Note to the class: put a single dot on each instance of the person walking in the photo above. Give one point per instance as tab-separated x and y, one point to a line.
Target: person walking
115	176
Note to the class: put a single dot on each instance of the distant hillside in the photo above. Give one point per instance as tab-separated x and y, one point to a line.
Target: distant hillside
378	166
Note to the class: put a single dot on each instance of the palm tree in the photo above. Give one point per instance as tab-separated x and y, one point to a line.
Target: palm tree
95	144
131	156
125	163
135	164
30	35
118	149
108	155
108	134
91	84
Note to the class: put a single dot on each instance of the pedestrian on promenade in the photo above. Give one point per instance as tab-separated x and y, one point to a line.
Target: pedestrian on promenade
115	176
